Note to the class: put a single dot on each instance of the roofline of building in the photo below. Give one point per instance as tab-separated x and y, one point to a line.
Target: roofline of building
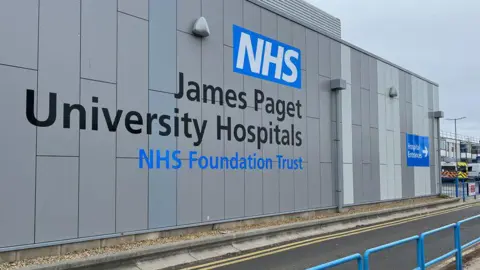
341	41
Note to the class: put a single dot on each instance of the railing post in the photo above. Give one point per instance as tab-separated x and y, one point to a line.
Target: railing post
365	261
456	186
463	190
458	247
359	263
475	183
420	254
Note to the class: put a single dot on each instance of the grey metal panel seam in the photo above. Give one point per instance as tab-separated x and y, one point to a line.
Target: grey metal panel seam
79	133
148	109
323	32
36	131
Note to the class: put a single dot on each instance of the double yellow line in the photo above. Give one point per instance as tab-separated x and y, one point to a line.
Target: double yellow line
310	241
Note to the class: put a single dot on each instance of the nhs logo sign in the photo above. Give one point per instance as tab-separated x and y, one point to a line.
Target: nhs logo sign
264	58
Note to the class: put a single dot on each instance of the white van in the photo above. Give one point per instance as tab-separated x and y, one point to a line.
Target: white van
474	170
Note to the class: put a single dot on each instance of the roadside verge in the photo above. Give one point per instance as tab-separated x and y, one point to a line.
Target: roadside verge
188	252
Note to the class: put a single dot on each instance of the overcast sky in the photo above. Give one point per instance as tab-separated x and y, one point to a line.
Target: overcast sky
437	39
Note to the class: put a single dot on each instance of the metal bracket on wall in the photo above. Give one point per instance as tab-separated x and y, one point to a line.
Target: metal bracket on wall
436	114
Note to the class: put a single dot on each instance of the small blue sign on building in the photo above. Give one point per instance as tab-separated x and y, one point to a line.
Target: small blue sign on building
418	151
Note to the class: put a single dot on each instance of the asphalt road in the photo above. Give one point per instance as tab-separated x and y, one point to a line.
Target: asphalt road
401	257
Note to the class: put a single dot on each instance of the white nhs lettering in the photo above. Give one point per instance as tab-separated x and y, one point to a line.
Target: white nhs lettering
254	55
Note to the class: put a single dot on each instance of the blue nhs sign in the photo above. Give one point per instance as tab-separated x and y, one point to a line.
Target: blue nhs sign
264	58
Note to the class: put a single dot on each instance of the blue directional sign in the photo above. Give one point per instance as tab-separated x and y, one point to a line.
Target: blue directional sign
418	151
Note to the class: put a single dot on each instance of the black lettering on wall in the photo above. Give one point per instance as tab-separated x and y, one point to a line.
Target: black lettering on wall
213	91
150	118
193	94
112	126
94	114
30	107
67	113
129	122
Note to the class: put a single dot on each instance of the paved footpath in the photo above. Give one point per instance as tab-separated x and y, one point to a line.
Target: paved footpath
402	257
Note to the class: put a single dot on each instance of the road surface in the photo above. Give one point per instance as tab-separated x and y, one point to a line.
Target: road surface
303	256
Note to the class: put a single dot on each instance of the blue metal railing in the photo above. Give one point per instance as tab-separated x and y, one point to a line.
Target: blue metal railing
459	188
366	261
421	264
355	257
420	249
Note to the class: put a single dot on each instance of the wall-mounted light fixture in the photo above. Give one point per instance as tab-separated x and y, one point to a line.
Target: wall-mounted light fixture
200	28
392	92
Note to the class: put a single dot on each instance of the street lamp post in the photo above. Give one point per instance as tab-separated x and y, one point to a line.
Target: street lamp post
455	123
456	157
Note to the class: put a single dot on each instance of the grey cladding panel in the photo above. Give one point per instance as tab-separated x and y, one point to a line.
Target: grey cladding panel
269	23
301	123
367	183
327	185
97	166
271	190
162	183
132	196
312	74
409	117
234	193
251	17
335	59
324	56
375	168
408	84
365	100
162	198
325	134
270	90
19	30
17	192
56	212
301	188
373	94
356	92
313	153
299	41
59	48
132	83
138	8
287	191
187	12
212	47
402	100
213	197
285	30
430	96
233	14
253	178
189	62
365	71
213	183
357	163
99	40
189	202
163	51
